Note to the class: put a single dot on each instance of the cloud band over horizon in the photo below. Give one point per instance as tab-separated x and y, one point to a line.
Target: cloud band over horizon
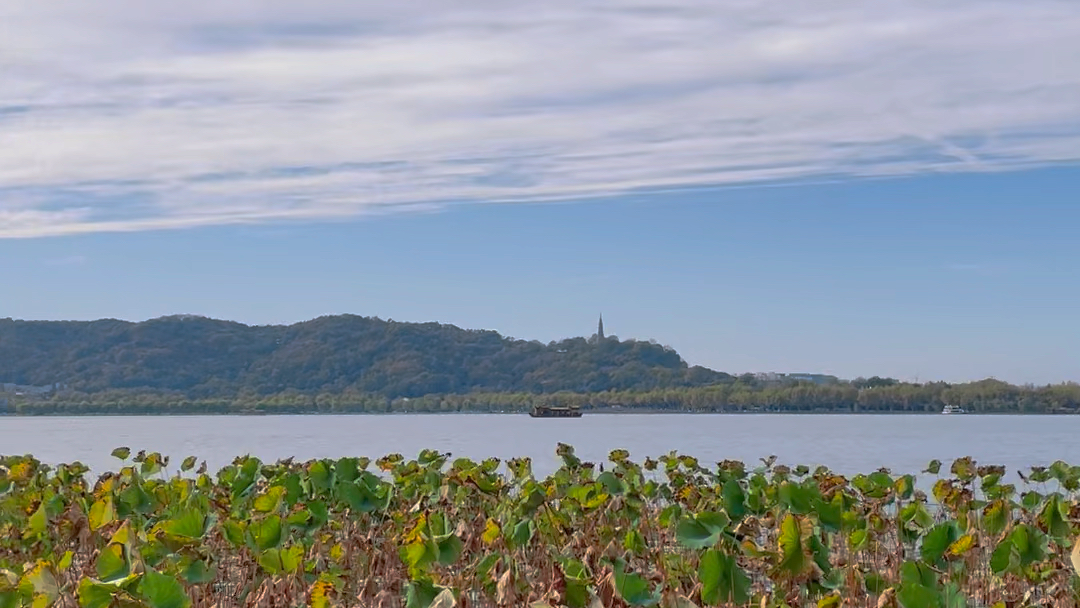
120	115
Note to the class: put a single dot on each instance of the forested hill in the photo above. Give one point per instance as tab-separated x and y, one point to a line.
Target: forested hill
204	357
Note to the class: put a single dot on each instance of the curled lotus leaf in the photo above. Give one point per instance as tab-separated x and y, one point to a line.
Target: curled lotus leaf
795	558
963	468
1054	517
101	513
702	530
189	524
112	563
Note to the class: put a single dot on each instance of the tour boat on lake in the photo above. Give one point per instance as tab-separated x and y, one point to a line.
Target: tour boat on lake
546	411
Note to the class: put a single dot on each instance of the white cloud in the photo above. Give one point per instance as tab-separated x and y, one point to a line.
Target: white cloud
127	115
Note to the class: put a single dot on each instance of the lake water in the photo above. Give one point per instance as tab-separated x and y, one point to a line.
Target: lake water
847	443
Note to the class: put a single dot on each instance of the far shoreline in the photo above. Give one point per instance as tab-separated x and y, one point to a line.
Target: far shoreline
586	413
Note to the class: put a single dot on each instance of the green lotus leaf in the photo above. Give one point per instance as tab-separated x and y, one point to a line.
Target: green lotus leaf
830	513
162	591
235	532
913	572
346	470
522	533
42	580
634	542
875	583
576	578
611	483
954	597
417	555
198	572
39	521
796	498
913	595
1005	558
270	500
794	559
995	517
65	561
423	593
1030	542
734	499
359	498
101	513
188	524
93	594
937	541
266	533
702	530
137	500
722	580
1053	517
449	549
904	486
112	563
634	589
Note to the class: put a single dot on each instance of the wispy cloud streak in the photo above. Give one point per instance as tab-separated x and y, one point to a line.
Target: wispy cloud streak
127	115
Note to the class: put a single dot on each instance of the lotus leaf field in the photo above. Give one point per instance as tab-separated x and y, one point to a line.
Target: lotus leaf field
438	532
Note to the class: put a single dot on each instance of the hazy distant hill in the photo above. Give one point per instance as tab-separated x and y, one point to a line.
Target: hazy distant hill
206	357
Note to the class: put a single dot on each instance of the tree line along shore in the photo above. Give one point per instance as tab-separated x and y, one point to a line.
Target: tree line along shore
988	396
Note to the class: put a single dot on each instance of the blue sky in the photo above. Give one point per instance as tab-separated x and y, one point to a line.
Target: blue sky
834	187
954	277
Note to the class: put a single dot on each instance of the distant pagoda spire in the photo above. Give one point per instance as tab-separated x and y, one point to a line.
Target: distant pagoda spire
600	329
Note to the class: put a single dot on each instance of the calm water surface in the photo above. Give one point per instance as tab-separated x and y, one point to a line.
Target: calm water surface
847	443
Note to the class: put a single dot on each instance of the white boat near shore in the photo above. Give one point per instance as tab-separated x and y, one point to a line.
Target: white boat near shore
953	409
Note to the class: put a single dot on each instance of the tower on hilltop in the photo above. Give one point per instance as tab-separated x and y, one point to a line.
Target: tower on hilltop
600	329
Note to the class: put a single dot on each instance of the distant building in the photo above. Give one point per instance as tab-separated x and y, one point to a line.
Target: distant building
26	389
815	378
600	329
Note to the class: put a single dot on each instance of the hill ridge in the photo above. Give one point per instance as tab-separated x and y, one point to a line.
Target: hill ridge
204	357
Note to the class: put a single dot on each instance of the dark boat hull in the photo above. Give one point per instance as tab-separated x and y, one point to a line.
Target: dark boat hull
553	413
